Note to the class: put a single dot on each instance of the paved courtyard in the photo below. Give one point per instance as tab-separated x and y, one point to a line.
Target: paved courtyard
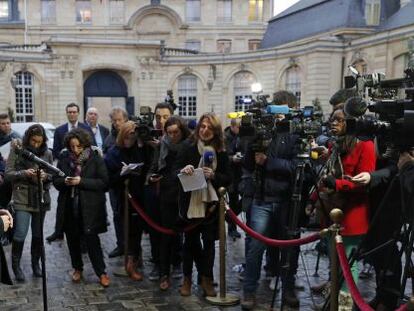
124	294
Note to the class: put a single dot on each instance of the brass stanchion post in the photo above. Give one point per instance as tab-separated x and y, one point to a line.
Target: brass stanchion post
336	216
223	299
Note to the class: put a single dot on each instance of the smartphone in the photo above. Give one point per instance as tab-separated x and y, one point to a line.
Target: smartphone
347	177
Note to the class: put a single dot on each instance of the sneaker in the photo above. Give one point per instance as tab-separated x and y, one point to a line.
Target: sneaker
366	272
116	252
272	284
54	237
248	301
177	272
154	274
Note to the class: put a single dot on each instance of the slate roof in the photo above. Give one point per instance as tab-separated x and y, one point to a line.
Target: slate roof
404	17
310	17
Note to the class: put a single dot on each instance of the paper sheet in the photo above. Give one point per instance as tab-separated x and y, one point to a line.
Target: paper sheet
127	169
5	150
193	182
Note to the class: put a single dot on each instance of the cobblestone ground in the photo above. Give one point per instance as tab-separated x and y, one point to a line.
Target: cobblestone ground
124	294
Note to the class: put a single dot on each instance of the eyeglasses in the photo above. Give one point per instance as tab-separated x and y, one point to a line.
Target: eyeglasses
337	120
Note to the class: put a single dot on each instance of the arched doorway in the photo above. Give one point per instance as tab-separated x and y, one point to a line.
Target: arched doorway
105	89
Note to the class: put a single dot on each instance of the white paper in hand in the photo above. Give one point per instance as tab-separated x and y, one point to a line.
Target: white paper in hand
193	182
129	168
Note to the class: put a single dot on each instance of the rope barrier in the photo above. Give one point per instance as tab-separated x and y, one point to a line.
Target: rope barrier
153	224
346	270
268	241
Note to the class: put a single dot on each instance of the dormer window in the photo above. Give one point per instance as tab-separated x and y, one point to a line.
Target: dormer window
372	12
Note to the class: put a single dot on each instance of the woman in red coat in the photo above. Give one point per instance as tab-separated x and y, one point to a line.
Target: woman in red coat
349	157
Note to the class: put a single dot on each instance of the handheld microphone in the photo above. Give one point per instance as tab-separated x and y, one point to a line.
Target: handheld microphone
208	158
42	163
278	109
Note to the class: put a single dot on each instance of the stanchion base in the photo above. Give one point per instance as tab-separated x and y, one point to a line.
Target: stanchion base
120	272
228	300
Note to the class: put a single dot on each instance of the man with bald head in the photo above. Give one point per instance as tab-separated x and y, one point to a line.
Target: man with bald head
99	131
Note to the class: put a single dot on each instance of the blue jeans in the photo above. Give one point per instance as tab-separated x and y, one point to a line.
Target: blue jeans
22	223
266	218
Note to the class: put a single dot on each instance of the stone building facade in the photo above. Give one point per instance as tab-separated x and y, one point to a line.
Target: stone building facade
129	52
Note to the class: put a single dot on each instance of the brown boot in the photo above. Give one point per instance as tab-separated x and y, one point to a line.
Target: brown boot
208	287
185	289
130	269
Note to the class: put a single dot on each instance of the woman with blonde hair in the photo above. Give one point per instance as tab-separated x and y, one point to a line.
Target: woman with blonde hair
205	150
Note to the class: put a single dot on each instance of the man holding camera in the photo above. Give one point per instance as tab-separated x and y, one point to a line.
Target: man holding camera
274	169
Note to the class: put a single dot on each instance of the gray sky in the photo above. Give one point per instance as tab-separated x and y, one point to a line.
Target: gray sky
281	5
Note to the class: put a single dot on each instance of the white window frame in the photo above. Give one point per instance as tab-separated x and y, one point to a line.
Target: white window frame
373	12
194	45
114	10
255	10
293	82
224	11
48	11
5	9
224	46
242	82
193	11
24	95
187	96
253	43
82	7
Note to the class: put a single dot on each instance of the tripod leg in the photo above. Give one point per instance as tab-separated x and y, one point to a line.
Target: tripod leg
318	258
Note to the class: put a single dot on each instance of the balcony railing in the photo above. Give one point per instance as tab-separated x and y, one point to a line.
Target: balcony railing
176	52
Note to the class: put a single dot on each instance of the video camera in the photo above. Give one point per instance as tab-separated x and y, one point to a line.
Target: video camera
303	122
145	124
394	122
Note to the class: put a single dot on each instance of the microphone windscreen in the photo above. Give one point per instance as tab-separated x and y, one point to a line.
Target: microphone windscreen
208	157
278	109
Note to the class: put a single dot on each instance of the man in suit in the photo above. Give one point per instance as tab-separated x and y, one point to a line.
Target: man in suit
6	132
72	113
99	131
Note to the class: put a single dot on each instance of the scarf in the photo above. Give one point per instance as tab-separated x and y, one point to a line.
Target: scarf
202	198
76	162
166	147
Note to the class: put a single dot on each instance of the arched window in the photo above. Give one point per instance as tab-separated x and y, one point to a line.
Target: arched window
293	81
187	96
372	12
242	83
24	97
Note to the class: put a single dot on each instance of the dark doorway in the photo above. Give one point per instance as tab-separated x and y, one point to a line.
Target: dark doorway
105	89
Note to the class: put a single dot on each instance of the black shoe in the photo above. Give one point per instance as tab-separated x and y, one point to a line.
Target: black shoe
290	298
17	250
234	234
116	252
55	236
249	301
154	275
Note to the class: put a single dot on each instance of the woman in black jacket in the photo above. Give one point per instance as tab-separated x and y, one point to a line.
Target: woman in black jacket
82	193
163	171
204	150
21	172
129	149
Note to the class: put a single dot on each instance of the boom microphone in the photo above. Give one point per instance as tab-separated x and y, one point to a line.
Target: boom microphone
42	163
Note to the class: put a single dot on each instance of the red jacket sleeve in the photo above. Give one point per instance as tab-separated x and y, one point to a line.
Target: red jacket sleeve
365	152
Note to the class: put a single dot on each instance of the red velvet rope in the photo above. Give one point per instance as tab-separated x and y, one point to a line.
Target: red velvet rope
346	270
268	241
153	224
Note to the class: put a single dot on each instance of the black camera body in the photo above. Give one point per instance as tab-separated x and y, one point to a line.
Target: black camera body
304	122
394	122
257	126
145	124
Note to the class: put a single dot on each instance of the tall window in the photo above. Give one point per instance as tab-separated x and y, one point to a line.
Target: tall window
224	8
254	45
372	12
255	10
187	96
11	10
48	11
194	45
224	46
83	12
242	83
24	97
193	10
293	81
116	11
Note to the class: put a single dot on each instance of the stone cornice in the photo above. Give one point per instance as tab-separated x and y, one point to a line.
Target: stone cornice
54	41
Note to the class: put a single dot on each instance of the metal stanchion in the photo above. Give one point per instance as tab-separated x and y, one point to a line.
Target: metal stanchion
223	299
336	216
121	271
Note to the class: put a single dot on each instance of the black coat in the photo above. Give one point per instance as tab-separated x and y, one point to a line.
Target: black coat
4	271
92	187
189	155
